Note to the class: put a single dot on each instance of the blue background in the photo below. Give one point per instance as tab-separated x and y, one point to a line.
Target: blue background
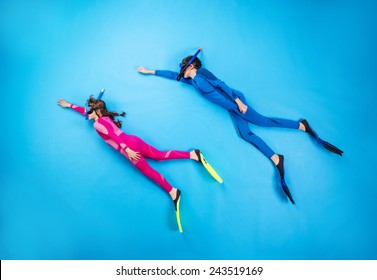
66	195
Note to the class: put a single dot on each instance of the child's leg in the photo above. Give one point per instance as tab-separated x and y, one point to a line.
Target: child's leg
254	117
149	151
151	173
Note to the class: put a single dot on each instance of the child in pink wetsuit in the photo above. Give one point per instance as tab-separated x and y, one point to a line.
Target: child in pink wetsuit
120	141
132	147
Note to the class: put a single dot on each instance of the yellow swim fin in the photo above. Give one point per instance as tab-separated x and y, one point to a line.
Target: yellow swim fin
208	167
177	202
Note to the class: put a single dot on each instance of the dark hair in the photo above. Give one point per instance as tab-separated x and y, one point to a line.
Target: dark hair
196	63
101	105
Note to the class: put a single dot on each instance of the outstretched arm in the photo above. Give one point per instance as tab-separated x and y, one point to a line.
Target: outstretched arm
163	73
63	103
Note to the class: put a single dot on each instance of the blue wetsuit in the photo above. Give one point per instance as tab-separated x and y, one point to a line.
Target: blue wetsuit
219	93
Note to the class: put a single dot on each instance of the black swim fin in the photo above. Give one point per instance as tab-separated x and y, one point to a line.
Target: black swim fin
330	147
177	201
324	143
280	167
286	190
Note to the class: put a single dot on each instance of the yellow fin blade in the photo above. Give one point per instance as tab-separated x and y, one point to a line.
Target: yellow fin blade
210	169
178	216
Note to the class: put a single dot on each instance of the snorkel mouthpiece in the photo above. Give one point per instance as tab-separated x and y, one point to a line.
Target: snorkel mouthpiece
184	66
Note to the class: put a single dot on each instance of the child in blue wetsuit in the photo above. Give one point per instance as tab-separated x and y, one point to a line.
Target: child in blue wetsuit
216	91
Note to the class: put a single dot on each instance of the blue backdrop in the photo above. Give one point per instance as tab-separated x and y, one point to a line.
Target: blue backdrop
66	195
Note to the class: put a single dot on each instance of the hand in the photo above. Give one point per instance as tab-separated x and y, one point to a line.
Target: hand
63	103
132	154
242	107
142	70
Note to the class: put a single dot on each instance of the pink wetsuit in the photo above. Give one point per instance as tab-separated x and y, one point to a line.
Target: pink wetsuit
119	140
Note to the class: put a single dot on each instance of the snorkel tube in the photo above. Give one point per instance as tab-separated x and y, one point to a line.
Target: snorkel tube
98	98
184	66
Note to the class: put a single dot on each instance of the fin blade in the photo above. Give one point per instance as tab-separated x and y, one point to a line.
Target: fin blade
330	147
210	169
286	190
177	215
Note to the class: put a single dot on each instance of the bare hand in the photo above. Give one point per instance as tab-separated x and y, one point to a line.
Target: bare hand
132	154
63	103
242	107
143	70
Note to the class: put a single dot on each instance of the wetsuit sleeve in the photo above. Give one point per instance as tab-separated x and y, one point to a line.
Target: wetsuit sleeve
217	83
224	88
209	92
111	131
78	109
171	75
227	90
